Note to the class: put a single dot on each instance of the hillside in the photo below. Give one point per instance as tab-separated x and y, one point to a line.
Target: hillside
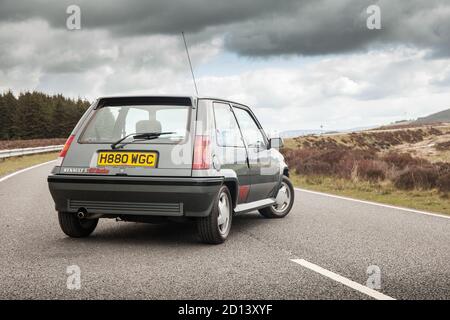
427	142
442	116
408	167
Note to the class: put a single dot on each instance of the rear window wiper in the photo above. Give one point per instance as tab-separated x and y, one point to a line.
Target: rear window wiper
138	136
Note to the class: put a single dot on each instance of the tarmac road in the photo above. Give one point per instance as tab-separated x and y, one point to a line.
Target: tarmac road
335	239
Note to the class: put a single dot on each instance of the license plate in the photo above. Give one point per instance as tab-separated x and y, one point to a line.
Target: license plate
127	158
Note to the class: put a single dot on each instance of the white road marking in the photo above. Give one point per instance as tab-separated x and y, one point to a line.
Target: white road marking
374	203
24	170
349	283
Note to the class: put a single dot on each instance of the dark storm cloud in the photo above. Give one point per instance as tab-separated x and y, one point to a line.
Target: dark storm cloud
146	17
260	27
329	26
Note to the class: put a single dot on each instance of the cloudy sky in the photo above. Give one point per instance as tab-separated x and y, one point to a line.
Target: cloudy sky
299	63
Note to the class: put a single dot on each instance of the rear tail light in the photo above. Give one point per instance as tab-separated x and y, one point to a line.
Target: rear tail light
202	155
66	147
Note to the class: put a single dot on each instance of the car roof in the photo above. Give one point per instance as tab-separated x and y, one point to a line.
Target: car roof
192	97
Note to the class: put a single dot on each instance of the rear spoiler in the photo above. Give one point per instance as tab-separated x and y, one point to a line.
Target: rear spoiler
163	101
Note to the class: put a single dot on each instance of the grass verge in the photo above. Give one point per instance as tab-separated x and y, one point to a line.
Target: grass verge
427	200
10	165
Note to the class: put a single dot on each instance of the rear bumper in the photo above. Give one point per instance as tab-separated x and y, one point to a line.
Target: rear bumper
122	195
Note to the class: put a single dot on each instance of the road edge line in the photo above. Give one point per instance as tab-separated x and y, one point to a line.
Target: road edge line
374	203
343	280
24	170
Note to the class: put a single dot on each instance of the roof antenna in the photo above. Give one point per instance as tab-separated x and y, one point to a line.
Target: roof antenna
190	64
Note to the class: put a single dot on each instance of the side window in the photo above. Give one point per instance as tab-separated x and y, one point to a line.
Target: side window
227	130
252	134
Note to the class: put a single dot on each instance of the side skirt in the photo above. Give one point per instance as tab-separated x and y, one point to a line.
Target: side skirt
247	207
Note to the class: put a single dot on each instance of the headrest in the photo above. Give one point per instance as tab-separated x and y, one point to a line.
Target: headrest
143	126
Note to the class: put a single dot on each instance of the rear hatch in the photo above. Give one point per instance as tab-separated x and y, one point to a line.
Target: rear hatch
165	151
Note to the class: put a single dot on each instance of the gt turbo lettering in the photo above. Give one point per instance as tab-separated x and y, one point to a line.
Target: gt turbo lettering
85	170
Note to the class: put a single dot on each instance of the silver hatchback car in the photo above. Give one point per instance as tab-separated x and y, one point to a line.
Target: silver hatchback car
149	158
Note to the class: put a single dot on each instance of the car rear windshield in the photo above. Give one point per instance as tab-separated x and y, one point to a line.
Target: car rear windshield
110	123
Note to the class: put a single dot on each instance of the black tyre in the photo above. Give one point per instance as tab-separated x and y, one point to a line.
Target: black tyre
285	200
75	227
214	229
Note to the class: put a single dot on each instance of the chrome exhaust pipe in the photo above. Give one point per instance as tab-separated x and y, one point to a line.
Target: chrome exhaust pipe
81	214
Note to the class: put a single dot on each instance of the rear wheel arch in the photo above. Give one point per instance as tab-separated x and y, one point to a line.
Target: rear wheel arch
232	186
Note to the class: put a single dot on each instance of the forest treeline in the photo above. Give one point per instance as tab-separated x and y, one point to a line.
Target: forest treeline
36	115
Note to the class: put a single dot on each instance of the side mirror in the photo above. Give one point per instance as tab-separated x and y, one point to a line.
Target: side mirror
276	143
